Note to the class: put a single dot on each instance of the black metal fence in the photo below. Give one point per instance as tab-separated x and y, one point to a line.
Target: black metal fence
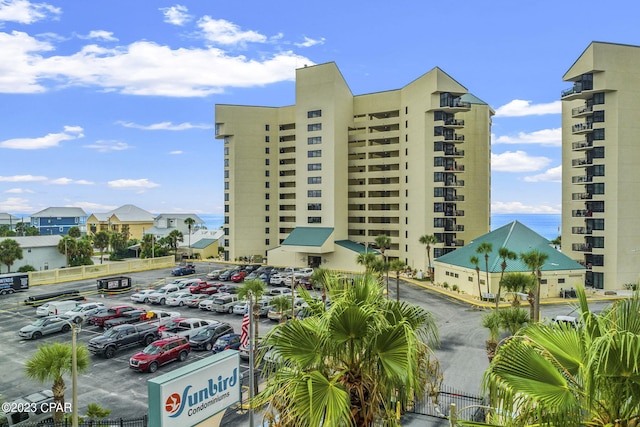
469	407
130	422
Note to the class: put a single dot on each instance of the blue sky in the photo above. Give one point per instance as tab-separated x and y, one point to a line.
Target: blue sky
105	103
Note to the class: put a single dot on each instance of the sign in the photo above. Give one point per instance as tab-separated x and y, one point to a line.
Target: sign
196	392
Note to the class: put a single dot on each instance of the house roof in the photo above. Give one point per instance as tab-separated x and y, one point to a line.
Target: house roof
181	216
9	218
308	236
355	246
203	243
60	212
126	213
37	241
516	237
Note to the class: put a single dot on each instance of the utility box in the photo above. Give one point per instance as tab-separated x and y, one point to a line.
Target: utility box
113	284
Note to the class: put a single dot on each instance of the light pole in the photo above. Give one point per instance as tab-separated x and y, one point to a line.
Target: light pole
75	328
251	359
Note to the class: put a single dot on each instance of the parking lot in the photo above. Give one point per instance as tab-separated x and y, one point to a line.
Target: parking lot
108	382
113	385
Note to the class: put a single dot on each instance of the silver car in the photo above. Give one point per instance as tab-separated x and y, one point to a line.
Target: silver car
45	326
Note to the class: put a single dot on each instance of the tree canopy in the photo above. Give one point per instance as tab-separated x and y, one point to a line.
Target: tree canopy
10	251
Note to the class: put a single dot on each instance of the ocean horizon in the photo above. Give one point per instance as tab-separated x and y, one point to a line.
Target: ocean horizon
546	225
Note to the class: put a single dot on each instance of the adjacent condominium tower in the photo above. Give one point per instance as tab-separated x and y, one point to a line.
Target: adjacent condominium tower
314	183
601	164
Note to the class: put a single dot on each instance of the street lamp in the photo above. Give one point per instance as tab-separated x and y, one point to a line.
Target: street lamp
75	328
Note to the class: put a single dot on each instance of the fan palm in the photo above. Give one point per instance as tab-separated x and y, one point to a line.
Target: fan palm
474	260
428	240
256	288
384	242
485	248
397	266
504	254
51	362
563	375
516	283
534	259
340	368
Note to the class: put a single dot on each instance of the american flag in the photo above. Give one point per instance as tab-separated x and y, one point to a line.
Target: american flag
244	334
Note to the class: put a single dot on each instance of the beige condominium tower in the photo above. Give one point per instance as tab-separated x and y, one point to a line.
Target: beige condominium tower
314	183
601	164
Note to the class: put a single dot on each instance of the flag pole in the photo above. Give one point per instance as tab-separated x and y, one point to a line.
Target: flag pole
251	358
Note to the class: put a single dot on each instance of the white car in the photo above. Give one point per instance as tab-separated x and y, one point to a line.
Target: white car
276	292
264	303
178	299
81	311
194	300
186	328
280	279
160	296
142	296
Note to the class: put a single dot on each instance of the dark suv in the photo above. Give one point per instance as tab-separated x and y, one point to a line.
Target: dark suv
206	338
159	353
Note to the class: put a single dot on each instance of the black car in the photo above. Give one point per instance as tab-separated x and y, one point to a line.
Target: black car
183	271
206	338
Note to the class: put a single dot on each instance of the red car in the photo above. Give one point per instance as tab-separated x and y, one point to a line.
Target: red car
198	287
213	289
239	276
160	353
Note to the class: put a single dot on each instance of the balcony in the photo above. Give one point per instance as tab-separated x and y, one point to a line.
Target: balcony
454	123
455	242
581	196
454	153
581	162
581	247
579	128
454	137
454	227
455	104
582	213
581	179
458	183
581	111
581	145
453	198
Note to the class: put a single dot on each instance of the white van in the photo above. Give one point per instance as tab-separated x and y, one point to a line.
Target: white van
55	307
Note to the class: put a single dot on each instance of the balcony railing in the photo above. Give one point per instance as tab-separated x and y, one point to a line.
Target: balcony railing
455	103
454	137
581	247
454	153
454	198
581	110
581	179
454	122
581	162
581	196
582	127
582	213
577	88
581	144
458	183
580	230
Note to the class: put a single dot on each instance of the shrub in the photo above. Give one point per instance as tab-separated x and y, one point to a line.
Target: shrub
445	285
456	288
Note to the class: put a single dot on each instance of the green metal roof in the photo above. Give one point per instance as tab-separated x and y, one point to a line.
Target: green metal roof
355	246
203	243
468	97
308	236
517	238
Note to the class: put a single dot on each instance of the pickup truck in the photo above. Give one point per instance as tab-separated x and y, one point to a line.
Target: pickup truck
130	317
122	336
111	313
186	328
156	317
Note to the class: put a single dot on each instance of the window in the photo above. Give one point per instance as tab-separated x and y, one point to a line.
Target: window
314	180
598	170
226	208
314	220
314	153
266	138
266	242
226	220
266	196
438	131
560	281
314	126
267	230
266	184
226	197
266	219
598	116
226	163
314	206
598	98
314	113
266	150
226	174
598	134
266	127
266	207
314	193
226	151
597	153
266	162
226	185
314	140
266	173
314	166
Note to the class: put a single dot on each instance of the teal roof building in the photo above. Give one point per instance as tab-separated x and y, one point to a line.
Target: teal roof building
558	272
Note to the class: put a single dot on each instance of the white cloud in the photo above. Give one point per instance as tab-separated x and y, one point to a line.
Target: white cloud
132	184
47	141
552	137
519	108
166	126
67	181
220	31
19	191
25	12
15	204
176	152
101	35
517	161
22	178
308	42
176	15
519	207
108	146
93	207
550	175
18	56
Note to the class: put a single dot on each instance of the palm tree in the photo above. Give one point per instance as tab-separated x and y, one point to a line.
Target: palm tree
504	255
282	304
319	276
189	221
428	240
173	239
534	259
485	248
512	319
340	368
516	283
257	288
10	251
398	266
491	321
101	241
474	260
384	242
366	259
565	375
51	362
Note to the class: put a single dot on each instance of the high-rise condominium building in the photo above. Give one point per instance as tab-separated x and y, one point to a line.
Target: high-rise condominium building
316	182
600	164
